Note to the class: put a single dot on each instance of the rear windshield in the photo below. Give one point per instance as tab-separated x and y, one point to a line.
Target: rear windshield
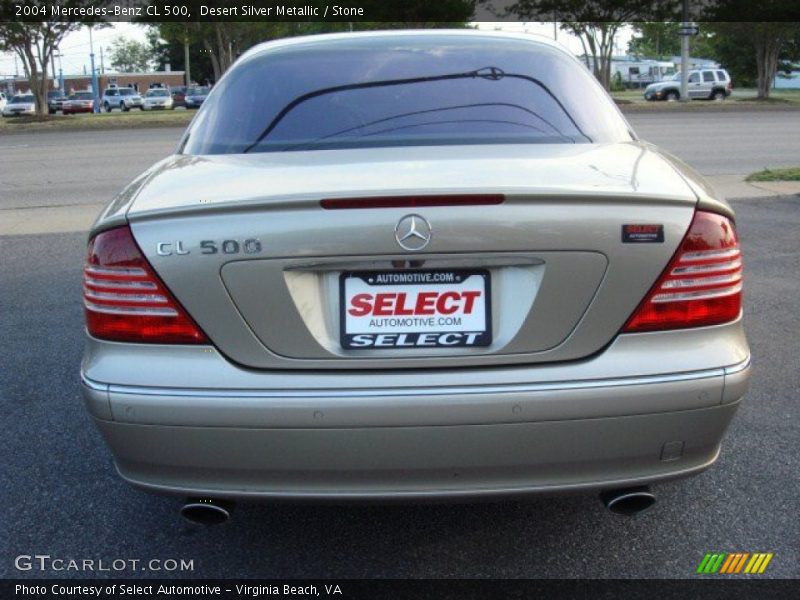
22	100
404	91
197	91
159	93
127	92
82	96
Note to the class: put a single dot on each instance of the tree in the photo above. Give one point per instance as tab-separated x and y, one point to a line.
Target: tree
130	56
655	40
661	40
755	50
214	46
594	22
751	52
774	38
34	42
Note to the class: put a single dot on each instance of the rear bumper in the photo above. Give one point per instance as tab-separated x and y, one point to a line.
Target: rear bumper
417	462
462	439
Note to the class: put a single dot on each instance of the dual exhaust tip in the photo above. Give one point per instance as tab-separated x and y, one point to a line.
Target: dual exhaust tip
207	511
627	502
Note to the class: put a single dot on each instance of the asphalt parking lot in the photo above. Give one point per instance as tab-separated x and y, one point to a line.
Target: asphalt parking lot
60	495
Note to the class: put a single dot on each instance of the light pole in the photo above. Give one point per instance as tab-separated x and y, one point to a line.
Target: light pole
187	66
685	54
60	72
94	72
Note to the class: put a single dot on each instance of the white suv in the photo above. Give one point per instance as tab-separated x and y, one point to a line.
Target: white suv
123	98
704	84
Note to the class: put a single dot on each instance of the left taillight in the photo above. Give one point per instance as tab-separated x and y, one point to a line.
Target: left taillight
125	301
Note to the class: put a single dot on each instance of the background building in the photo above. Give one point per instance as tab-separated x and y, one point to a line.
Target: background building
139	81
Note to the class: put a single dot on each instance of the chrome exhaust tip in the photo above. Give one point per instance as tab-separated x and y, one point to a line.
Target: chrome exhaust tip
207	511
628	501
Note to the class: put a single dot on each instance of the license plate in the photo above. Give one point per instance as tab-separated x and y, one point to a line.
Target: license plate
415	309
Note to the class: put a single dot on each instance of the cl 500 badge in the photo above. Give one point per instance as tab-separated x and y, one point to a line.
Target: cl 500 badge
248	246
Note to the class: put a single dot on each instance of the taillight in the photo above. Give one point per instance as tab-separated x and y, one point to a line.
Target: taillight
702	284
124	299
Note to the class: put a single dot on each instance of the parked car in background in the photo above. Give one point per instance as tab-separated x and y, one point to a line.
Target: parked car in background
21	104
78	102
157	98
427	264
178	94
704	84
195	96
123	98
55	101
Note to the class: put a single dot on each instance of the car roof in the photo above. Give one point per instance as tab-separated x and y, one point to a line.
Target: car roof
334	38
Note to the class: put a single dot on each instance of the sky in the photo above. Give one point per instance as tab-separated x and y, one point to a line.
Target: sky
75	47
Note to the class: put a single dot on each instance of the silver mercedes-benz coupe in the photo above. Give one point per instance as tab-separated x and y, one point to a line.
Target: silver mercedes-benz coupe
405	265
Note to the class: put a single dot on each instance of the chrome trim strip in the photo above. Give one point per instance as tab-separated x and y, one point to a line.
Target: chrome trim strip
709	268
141	311
132	297
710	254
679	284
133	271
738	368
93	385
120	284
422	391
697	295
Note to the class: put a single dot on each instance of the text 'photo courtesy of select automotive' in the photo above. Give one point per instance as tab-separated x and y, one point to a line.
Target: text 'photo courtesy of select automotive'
410	299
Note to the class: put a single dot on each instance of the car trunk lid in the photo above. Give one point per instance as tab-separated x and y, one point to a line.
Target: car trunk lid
245	244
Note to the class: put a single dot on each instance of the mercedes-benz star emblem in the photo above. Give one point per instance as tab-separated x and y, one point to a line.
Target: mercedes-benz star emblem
413	232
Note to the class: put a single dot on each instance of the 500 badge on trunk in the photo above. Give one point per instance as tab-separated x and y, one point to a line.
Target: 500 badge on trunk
413	309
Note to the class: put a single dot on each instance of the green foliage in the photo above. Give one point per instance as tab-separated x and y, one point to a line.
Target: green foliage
616	82
214	46
655	40
594	22
130	56
790	174
166	48
747	49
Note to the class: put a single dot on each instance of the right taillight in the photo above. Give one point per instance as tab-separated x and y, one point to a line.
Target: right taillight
125	301
702	285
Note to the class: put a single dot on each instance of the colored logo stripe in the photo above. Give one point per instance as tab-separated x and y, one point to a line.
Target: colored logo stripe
732	563
758	563
711	563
